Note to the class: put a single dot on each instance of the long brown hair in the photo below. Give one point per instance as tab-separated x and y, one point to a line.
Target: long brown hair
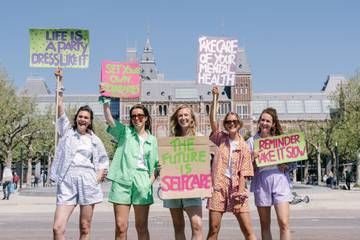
175	128
276	127
146	113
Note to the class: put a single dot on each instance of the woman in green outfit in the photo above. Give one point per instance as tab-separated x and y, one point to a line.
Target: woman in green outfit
132	170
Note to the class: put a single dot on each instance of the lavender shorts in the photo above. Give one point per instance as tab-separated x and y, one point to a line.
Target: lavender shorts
270	187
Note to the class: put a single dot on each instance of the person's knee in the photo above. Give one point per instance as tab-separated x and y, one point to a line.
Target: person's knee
58	229
179	226
283	224
214	228
141	226
265	224
196	224
85	228
121	226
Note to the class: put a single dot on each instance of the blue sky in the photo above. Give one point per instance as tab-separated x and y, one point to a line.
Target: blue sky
291	45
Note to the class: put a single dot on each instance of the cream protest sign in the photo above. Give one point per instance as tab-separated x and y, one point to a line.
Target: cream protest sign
185	167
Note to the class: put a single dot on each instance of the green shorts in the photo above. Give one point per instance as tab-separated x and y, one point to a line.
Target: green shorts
182	203
139	193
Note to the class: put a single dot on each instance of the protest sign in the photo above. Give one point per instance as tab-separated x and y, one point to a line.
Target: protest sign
65	48
185	167
280	149
216	63
120	80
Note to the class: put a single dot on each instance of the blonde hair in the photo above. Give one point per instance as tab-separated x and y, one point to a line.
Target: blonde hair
175	128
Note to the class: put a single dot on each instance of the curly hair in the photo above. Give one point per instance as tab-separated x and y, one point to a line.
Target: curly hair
146	113
88	109
276	128
175	128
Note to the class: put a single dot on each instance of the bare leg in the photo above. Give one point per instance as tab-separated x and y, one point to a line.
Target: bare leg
62	214
214	224
246	227
86	214
121	212
177	216
265	221
141	221
283	216
195	216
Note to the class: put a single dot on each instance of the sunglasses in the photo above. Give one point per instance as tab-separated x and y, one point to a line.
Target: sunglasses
235	122
139	116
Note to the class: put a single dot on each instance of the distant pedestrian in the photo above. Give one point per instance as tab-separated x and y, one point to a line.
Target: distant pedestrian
43	177
32	180
7	183
78	168
348	179
16	179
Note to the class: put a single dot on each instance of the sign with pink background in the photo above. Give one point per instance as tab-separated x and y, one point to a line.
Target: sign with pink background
120	80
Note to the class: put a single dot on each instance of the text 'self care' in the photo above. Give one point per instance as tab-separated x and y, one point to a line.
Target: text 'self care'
185	166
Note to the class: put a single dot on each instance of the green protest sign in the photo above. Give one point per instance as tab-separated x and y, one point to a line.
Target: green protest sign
280	149
65	48
185	167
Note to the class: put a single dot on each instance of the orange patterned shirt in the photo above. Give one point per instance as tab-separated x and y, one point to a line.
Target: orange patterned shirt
241	163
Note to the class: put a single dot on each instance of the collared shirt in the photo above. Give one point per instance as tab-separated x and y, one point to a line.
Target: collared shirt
241	164
124	163
66	150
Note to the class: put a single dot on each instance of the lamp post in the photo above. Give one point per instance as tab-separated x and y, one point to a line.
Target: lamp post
318	163
337	165
21	167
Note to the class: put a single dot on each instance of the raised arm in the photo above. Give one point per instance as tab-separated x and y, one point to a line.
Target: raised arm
107	113
59	86
214	108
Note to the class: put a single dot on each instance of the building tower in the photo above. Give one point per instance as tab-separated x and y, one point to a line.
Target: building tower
147	62
241	93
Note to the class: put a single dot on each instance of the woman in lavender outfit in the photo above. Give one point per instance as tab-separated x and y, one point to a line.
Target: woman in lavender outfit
271	185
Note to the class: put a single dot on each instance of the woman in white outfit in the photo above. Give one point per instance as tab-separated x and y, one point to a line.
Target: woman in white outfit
79	166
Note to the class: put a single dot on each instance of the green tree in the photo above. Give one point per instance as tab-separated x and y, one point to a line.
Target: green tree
14	118
348	128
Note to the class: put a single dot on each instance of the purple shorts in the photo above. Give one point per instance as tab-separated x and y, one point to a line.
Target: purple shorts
270	187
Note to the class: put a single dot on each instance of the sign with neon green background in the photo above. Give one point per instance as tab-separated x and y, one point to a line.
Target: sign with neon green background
65	48
280	149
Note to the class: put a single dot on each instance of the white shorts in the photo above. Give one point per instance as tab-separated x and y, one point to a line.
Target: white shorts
79	186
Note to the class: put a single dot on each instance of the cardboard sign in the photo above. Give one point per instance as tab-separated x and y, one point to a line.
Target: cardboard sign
216	63
185	167
121	80
65	48
281	149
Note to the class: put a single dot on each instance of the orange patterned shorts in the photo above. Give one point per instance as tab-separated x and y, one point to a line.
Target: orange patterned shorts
221	201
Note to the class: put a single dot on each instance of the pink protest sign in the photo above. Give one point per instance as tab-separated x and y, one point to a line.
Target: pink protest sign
120	80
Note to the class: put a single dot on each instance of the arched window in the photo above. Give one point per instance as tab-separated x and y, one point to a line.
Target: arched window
160	110
165	110
207	109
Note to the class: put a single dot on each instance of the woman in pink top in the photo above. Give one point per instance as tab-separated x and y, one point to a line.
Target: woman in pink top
230	169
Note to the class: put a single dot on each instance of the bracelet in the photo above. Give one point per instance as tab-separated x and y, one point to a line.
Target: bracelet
61	89
103	100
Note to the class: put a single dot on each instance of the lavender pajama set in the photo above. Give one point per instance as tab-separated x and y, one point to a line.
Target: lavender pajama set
269	185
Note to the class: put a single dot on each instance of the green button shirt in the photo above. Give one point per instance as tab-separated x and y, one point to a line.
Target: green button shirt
124	163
